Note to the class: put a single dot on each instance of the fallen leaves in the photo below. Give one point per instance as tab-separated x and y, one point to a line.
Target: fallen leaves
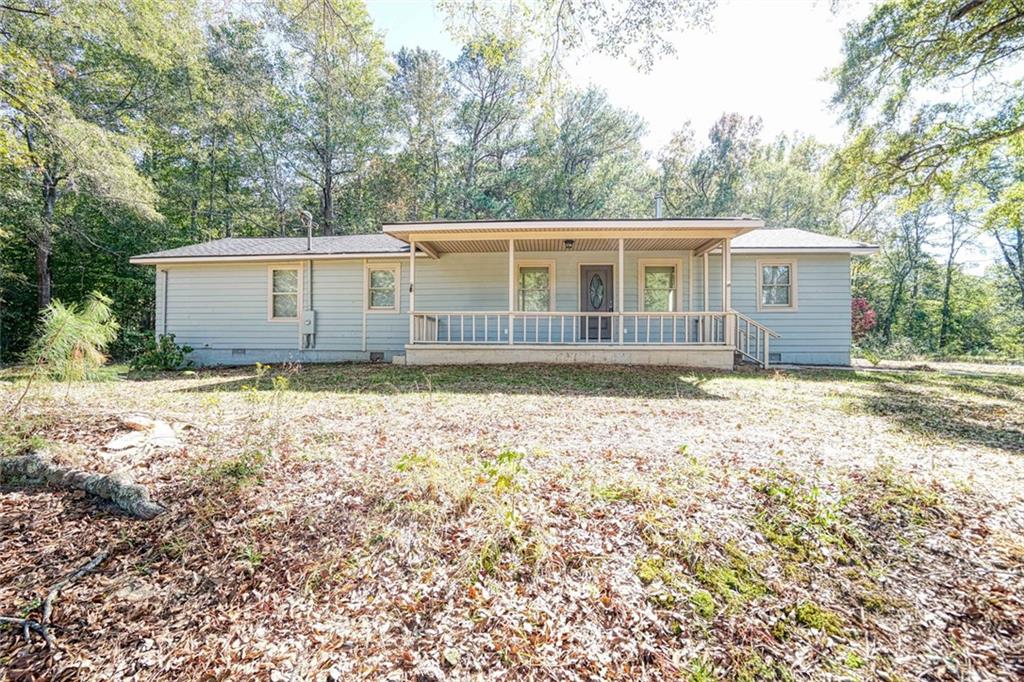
374	522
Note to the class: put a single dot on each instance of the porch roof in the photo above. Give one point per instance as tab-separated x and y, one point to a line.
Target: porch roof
481	236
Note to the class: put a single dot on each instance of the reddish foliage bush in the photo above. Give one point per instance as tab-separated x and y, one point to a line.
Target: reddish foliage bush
864	318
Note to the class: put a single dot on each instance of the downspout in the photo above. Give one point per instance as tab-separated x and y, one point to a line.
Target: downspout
167	281
308	321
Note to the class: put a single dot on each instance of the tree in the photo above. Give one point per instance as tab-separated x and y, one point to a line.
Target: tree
708	180
639	29
959	232
582	155
338	89
492	88
425	103
903	259
901	88
1002	180
73	77
787	185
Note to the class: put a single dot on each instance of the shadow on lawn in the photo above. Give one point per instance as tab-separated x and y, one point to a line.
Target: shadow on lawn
566	380
943	413
983	409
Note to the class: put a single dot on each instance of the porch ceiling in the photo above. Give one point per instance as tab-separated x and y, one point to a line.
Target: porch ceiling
554	244
675	234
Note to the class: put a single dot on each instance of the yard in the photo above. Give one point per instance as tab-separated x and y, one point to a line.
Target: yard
347	522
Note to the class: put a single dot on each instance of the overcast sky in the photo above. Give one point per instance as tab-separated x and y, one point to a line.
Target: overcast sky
760	57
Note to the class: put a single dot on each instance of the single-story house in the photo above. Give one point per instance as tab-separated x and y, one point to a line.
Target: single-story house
703	292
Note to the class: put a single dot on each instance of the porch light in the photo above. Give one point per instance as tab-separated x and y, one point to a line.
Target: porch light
568	244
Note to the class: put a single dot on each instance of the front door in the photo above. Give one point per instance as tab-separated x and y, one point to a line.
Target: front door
596	296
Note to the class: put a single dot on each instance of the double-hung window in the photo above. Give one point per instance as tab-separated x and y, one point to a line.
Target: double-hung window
776	285
382	287
284	294
659	284
535	287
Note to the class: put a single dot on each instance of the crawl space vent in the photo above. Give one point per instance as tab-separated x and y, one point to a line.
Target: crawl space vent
775	357
376	357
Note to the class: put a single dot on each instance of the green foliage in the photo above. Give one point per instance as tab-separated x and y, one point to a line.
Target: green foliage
703	603
232	126
73	339
811	615
161	354
239	471
911	125
19	436
504	473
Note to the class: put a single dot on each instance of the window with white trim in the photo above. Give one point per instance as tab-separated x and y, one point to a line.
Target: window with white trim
382	287
534	287
284	293
776	285
659	288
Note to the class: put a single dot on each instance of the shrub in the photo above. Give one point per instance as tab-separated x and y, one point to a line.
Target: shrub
161	354
73	338
863	317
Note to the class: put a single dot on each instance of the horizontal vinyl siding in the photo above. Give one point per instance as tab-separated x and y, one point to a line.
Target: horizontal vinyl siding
818	332
338	302
223	306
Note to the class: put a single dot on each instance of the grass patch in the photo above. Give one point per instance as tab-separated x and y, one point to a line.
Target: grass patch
734	579
238	472
811	615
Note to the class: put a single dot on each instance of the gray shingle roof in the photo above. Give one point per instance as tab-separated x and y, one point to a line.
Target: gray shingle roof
786	238
286	246
792	238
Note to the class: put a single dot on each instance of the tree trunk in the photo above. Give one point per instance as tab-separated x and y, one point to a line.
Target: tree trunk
44	242
119	488
1013	256
327	200
890	314
213	183
946	311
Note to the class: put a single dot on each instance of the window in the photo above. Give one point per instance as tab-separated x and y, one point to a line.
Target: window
776	285
382	287
284	294
535	287
659	282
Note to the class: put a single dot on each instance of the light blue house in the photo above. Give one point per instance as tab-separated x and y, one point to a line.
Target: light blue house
702	292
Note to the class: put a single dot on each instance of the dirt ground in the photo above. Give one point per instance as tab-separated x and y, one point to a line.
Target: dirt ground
379	522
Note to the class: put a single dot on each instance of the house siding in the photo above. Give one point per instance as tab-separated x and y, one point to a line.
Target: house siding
221	309
818	331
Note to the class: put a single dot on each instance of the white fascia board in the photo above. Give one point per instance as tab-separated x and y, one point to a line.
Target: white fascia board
141	260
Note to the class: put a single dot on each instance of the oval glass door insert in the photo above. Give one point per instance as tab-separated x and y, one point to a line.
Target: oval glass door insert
596	290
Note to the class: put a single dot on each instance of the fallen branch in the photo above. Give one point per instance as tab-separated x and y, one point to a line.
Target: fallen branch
42	626
119	488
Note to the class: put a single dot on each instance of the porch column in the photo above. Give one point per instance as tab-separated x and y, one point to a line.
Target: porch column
727	267
412	291
707	292
730	319
620	292
725	284
511	290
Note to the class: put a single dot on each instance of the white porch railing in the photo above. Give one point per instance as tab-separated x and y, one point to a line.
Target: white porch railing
748	337
569	328
753	339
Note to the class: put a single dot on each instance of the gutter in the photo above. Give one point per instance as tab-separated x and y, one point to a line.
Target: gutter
852	250
159	260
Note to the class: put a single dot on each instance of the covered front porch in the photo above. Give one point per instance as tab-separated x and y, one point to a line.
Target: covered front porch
635	291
